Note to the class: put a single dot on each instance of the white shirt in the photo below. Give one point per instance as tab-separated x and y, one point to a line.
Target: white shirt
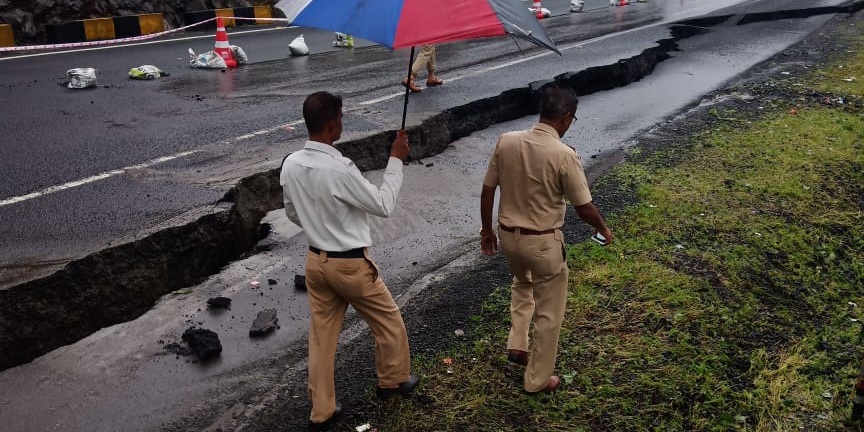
327	196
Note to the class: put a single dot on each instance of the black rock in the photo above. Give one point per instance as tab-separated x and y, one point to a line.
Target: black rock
264	323
204	343
300	282
272	281
219	303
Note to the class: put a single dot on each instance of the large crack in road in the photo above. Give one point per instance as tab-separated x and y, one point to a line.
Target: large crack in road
120	283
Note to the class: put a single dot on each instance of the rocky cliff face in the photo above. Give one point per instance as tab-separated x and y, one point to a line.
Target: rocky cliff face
29	17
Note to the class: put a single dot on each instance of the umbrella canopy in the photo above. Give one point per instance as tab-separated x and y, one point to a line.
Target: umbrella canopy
406	23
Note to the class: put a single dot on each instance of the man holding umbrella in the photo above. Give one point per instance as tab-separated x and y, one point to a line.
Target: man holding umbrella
327	196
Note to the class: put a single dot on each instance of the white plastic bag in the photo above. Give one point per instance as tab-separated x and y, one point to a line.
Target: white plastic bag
209	60
80	78
146	72
239	55
298	46
576	5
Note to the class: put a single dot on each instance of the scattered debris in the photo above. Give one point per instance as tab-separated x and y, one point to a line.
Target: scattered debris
363	427
300	282
298	46
343	40
204	343
850	79
272	281
576	5
447	361
793	111
827	395
459	332
254	283
265	322
80	78
853	304
178	349
430	165
146	72
219	303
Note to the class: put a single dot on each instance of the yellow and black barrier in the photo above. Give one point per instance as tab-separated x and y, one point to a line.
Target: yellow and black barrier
7	38
261	15
105	28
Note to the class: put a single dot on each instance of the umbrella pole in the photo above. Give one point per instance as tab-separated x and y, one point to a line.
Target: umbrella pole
407	90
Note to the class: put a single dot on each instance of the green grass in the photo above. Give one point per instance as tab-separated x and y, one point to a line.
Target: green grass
726	303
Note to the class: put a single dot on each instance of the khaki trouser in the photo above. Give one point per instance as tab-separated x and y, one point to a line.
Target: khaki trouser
425	58
332	284
538	294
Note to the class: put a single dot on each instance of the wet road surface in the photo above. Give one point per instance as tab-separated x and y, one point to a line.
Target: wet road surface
122	370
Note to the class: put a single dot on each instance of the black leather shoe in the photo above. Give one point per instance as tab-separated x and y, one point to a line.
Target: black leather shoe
404	388
326	424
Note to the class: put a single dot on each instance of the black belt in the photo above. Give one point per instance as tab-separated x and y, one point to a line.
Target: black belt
525	231
353	253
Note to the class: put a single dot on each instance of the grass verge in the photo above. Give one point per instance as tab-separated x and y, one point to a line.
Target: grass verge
731	300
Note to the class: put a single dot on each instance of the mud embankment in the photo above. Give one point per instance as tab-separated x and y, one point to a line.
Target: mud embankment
122	282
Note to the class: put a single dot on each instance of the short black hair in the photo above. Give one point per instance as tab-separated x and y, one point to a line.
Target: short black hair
556	101
319	108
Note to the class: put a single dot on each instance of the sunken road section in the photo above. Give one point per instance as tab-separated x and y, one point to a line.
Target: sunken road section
120	283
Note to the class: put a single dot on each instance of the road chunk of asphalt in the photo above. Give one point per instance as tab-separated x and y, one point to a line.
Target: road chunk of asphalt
264	323
204	343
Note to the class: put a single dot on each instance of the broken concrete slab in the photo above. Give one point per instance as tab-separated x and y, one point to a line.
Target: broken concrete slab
264	323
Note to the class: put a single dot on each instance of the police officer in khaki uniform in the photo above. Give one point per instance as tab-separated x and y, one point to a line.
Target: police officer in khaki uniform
536	173
327	196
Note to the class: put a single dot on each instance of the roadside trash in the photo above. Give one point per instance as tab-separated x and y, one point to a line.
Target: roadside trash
146	72
212	60
343	40
219	303
850	79
207	60
80	78
853	304
786	73
363	427
793	112
827	395
204	343
459	332
298	46
447	361
239	55
264	323
576	5
300	282
254	283
679	246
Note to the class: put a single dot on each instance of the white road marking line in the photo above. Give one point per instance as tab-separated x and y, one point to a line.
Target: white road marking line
92	179
127	45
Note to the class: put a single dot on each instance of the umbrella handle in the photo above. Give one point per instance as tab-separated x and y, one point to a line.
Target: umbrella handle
407	90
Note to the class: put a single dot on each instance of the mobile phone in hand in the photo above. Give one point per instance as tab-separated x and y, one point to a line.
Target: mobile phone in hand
599	238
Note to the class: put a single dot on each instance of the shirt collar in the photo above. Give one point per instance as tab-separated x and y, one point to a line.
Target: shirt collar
324	148
543	127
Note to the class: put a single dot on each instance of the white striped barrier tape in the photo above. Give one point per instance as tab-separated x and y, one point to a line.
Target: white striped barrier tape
122	40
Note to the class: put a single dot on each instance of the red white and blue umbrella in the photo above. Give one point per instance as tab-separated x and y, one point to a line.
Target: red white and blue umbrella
407	23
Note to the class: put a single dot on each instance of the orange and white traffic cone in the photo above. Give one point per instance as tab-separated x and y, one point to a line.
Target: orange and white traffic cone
537	9
222	48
